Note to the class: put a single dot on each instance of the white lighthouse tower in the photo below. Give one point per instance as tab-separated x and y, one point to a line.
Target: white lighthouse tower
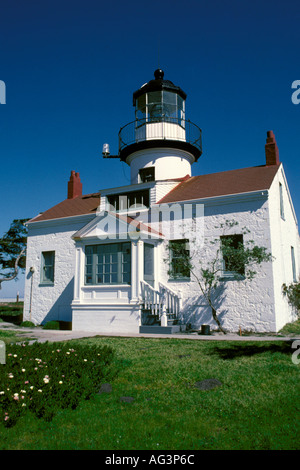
160	144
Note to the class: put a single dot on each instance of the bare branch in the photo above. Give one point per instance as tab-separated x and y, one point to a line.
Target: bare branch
16	269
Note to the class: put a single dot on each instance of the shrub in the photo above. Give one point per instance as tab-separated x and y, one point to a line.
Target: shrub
51	325
28	324
11	313
11	309
44	378
292	292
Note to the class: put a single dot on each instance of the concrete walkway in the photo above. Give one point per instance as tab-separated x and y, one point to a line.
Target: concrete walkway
40	335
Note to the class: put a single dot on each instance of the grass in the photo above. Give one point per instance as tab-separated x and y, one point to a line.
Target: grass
256	407
9	336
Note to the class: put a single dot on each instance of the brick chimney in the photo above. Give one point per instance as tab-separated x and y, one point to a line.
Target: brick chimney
74	186
271	150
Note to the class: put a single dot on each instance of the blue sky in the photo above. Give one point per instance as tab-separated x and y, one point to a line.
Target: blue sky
70	68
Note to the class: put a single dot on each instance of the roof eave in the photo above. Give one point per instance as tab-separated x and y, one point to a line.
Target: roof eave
258	194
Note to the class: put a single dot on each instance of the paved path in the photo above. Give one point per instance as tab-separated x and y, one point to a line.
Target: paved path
42	336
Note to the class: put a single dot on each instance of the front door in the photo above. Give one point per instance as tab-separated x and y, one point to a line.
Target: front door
149	263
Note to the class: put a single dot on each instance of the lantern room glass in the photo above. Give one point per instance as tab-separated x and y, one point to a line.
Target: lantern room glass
157	106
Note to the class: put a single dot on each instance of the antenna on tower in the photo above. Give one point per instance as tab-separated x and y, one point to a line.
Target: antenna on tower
158	51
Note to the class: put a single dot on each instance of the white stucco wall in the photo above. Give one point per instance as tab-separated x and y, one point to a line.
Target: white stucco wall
109	318
168	163
246	304
284	235
51	302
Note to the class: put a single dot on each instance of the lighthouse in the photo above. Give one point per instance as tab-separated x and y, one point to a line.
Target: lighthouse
160	143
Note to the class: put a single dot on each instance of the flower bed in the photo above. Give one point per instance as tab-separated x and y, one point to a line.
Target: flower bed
44	378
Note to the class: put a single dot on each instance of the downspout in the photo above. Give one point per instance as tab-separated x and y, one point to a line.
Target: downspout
31	289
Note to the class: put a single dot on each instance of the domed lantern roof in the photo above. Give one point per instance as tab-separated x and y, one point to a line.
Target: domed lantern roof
158	84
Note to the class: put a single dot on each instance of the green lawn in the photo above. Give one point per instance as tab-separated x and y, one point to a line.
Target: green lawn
257	406
8	336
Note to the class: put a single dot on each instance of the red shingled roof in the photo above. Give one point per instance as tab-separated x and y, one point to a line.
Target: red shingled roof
79	205
224	183
196	187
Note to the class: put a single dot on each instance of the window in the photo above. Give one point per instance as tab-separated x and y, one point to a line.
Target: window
149	263
147	174
132	200
47	271
108	264
293	264
232	250
281	201
157	106
179	259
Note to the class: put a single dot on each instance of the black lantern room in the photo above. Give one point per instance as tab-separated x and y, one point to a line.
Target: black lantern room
159	100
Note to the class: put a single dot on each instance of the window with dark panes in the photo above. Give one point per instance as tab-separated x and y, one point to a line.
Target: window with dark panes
179	253
232	250
47	271
108	263
147	174
132	200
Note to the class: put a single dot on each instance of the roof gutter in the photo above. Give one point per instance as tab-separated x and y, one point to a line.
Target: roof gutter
227	198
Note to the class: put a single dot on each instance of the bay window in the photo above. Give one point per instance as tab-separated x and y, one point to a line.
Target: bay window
108	263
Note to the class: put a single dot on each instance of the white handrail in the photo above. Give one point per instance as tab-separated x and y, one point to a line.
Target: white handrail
161	301
173	300
152	299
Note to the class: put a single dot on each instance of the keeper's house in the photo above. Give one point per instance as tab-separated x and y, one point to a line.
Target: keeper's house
103	262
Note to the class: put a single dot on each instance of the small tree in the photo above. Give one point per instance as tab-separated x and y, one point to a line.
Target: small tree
292	292
12	250
233	257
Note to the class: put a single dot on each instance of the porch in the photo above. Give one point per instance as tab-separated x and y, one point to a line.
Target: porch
116	288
